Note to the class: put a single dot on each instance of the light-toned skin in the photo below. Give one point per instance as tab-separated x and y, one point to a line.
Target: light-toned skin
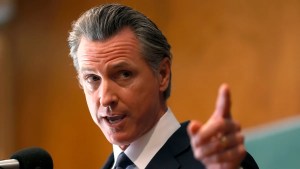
119	85
206	139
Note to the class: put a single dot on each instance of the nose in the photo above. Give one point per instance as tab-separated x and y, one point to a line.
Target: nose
107	94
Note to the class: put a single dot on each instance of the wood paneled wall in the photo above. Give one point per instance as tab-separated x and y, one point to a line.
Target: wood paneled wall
6	103
253	45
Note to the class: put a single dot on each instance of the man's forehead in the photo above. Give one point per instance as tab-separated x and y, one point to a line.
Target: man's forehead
124	38
119	51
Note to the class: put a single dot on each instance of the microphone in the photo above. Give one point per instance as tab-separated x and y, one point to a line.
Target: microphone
28	158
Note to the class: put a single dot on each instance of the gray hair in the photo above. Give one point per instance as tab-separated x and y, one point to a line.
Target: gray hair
102	22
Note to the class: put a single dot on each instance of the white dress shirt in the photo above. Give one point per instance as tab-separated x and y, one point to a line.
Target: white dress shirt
142	150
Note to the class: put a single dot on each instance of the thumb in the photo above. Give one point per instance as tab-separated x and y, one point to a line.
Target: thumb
223	103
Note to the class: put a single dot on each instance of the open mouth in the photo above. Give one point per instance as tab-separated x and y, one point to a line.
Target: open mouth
114	119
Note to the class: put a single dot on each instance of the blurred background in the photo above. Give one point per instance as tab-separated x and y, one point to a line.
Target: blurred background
253	45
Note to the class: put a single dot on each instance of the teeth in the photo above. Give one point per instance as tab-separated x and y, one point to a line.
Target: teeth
114	119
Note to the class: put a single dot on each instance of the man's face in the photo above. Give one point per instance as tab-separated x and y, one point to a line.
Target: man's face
123	94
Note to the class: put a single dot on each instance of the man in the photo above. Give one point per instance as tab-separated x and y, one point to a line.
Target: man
123	63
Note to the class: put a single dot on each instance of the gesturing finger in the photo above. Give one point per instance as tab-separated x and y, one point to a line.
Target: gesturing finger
223	102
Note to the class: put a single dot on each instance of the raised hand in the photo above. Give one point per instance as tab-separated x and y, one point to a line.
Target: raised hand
218	143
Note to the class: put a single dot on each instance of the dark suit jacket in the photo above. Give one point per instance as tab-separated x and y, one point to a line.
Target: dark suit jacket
177	154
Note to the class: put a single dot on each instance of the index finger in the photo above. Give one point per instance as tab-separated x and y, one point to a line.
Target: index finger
223	103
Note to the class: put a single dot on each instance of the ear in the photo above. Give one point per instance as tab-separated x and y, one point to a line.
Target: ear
164	74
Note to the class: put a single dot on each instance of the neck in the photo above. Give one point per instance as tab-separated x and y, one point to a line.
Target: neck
123	147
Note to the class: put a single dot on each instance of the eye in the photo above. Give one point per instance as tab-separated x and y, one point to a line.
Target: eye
123	77
92	78
125	74
91	82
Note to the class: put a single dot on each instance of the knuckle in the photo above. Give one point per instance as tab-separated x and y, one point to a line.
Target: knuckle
198	154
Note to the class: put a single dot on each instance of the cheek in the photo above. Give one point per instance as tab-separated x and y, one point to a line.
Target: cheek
147	102
140	97
92	106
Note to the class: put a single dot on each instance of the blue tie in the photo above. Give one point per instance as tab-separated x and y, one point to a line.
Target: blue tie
123	162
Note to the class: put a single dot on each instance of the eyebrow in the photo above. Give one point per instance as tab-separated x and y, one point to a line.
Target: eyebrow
86	69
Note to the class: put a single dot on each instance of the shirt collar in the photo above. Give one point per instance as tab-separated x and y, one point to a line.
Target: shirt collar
142	150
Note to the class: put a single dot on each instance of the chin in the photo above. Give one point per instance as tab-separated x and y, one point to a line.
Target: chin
120	141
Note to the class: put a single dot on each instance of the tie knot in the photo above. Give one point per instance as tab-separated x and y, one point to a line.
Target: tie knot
123	161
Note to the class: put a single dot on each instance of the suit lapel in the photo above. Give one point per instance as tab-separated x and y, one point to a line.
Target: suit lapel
166	156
